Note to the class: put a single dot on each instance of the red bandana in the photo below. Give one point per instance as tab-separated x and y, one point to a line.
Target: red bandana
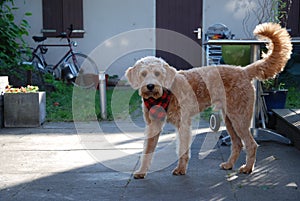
158	107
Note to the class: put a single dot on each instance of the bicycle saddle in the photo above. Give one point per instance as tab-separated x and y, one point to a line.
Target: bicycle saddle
39	38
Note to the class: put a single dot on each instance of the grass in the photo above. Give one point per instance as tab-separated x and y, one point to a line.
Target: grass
293	98
68	103
59	103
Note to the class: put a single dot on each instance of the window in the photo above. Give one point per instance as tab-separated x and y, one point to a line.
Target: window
58	15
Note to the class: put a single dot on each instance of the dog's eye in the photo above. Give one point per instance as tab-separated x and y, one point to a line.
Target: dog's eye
157	73
144	74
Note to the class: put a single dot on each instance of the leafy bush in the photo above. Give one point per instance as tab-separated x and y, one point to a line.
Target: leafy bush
11	36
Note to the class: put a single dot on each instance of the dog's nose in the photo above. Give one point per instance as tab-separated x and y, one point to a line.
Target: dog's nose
150	87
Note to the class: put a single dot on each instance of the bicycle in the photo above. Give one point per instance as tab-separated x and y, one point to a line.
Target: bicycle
74	67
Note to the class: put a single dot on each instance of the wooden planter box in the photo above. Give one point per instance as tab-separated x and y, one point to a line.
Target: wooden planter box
24	109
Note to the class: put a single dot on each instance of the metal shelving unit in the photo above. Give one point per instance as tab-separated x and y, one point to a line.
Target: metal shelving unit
214	52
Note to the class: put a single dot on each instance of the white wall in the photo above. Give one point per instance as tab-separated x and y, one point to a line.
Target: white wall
103	19
114	22
109	24
35	20
231	13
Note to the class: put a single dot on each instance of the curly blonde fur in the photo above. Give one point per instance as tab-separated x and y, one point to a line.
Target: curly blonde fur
229	88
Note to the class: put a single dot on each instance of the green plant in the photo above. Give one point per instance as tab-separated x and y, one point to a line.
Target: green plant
11	36
279	14
261	11
276	11
113	76
206	113
273	84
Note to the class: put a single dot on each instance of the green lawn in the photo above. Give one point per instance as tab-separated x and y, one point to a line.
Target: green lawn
68	103
293	98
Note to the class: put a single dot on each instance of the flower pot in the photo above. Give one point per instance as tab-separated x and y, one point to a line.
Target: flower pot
275	99
24	109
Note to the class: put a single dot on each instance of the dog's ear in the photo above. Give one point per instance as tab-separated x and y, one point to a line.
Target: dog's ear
132	77
170	75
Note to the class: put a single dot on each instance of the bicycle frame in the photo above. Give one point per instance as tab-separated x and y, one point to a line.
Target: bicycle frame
68	66
40	46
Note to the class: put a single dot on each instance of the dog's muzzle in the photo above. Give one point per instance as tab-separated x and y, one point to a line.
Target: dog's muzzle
151	90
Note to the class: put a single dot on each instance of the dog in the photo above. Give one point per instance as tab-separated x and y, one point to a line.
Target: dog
176	96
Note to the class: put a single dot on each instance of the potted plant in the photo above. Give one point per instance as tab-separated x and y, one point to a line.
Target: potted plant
24	107
274	93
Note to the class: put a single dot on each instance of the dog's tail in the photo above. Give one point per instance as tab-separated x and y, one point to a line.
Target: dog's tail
279	51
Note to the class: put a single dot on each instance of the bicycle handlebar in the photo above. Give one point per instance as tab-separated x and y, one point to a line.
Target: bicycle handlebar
70	29
64	34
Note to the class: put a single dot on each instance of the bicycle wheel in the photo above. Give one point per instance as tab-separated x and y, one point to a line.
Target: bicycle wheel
86	71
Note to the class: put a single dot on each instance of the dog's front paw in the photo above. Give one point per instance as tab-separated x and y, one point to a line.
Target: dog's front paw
179	171
246	170
226	166
139	175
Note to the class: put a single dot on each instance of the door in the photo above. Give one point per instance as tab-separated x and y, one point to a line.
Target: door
178	40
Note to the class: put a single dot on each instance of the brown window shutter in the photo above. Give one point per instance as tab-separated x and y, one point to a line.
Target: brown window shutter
52	15
58	15
73	14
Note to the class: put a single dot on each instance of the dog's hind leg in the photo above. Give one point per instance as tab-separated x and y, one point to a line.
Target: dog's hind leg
243	131
251	148
152	133
184	142
236	145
